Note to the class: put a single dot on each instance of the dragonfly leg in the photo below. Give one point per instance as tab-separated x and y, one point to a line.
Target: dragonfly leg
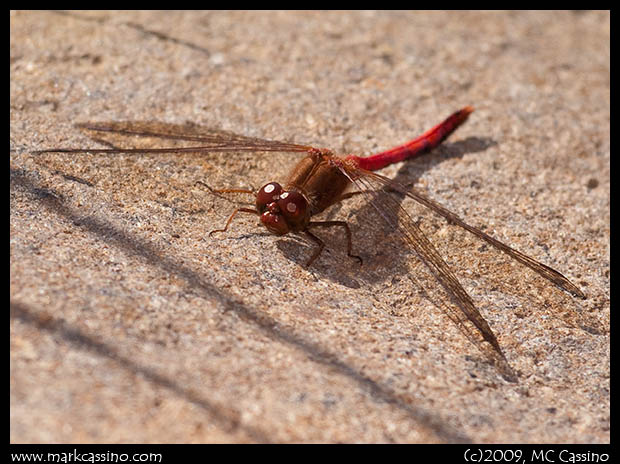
321	244
318	251
230	218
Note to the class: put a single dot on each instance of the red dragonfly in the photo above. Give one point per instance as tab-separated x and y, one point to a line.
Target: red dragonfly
321	179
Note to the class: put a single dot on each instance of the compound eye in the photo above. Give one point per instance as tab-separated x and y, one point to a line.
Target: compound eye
274	222
268	194
293	206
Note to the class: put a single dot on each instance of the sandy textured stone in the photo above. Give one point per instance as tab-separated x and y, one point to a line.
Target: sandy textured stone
130	324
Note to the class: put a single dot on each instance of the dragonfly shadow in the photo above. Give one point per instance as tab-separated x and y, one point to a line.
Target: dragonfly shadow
381	244
299	250
410	172
137	247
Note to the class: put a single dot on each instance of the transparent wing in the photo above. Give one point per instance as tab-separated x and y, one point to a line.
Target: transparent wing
207	139
545	271
467	318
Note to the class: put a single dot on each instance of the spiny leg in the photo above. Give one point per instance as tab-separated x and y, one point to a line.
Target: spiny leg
230	218
322	245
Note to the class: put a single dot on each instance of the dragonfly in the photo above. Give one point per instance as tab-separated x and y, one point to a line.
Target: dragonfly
322	179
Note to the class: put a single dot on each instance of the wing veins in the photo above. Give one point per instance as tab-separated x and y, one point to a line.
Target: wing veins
442	272
177	132
543	270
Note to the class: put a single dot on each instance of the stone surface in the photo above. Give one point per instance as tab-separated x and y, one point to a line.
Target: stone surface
130	324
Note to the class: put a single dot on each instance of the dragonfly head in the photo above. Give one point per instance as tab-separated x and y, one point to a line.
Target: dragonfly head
282	211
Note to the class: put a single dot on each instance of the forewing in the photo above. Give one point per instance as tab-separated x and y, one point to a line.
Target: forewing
121	134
